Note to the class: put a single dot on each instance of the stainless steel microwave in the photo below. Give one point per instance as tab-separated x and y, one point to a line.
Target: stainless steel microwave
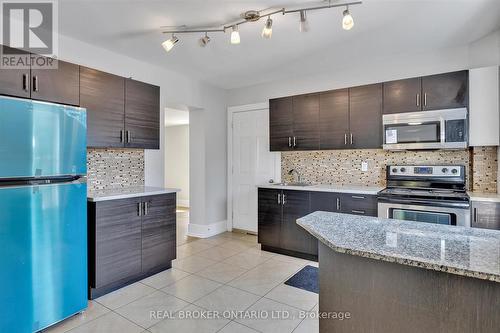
438	129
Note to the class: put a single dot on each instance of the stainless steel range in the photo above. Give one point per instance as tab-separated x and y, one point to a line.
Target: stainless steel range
432	194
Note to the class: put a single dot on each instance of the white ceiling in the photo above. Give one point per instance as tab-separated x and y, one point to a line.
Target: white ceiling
175	117
382	27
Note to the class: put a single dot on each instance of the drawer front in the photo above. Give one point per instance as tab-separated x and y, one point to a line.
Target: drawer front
359	204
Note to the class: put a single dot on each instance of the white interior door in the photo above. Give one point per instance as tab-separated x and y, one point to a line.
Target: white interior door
253	164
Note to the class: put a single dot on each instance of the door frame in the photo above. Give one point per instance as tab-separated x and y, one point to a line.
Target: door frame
231	110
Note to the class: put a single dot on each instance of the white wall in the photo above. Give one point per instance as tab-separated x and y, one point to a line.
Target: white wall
176	89
177	161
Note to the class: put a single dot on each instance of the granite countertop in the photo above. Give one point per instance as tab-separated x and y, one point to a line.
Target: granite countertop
127	192
488	197
355	189
457	250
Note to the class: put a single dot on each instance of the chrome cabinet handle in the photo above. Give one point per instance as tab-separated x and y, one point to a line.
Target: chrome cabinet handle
279	198
146	208
122	134
338	203
294	142
128	136
25	82
283	202
139	209
425	99
352	139
358	211
418	99
345	139
357	197
475	215
290	141
35	83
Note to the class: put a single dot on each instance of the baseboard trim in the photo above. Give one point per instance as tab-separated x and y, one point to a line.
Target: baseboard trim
183	203
207	230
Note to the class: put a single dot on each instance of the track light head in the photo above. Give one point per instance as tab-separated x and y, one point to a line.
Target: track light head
347	20
235	35
304	25
204	40
267	32
169	44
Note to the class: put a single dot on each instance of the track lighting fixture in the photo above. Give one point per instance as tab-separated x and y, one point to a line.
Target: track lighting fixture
267	32
235	35
204	40
254	16
304	26
347	20
169	43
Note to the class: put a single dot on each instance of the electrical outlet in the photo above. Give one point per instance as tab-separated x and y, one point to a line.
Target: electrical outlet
364	166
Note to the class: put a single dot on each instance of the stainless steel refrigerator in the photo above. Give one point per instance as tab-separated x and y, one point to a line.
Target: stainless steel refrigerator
43	214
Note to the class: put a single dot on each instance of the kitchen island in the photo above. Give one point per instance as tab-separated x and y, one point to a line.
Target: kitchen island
400	276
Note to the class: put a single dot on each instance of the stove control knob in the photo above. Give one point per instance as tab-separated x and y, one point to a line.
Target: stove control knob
394	170
403	169
445	170
454	171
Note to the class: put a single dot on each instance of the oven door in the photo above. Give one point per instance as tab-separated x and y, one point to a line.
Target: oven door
448	214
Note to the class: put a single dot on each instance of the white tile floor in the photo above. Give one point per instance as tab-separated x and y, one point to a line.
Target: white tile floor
225	272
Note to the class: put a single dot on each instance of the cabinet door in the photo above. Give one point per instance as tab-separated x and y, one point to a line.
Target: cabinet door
103	95
334	119
402	96
486	215
324	201
142	115
269	217
445	91
365	116
158	232
306	122
280	124
61	85
14	82
118	241
294	237
359	204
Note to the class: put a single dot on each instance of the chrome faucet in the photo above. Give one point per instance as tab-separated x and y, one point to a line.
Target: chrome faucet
299	177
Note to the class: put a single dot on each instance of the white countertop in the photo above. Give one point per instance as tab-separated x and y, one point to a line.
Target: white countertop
355	189
488	197
127	192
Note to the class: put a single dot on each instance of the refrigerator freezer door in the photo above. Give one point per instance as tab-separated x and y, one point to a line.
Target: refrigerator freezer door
43	238
40	139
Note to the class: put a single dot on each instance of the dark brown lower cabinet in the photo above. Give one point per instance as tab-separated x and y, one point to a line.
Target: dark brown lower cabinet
278	211
486	215
128	240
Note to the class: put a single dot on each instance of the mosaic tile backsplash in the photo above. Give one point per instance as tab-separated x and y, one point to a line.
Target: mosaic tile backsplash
113	168
344	166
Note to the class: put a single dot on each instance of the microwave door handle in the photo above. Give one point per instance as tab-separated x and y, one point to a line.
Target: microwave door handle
443	131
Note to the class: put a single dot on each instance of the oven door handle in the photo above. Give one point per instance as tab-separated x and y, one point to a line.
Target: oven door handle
428	203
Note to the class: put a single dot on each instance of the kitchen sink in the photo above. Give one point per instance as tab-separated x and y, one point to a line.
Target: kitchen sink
293	184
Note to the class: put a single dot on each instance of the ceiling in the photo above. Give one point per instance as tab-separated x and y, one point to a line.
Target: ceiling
175	117
382	27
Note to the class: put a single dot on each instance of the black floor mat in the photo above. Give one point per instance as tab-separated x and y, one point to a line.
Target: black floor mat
307	278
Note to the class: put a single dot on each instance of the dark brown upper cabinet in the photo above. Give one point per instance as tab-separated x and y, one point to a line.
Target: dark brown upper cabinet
14	82
305	122
365	116
281	124
103	95
433	92
445	91
402	96
142	115
334	119
59	85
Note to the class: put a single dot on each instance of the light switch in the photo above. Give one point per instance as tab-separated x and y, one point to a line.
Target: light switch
364	166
